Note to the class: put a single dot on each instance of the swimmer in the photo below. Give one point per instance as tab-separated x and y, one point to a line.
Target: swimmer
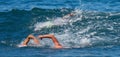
50	36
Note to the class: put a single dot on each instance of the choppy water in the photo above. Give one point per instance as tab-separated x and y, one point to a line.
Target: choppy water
94	31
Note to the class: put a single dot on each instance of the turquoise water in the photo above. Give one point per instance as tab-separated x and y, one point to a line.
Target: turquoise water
94	31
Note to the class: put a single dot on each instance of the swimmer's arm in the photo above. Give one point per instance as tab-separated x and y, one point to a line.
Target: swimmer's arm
28	39
55	41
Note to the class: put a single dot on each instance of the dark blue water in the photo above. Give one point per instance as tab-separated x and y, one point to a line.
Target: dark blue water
94	31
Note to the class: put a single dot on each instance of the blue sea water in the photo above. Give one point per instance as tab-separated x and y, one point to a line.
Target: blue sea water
94	31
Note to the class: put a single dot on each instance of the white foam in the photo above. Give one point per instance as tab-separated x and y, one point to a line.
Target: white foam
21	45
39	26
85	42
30	43
4	42
59	21
49	24
80	38
69	40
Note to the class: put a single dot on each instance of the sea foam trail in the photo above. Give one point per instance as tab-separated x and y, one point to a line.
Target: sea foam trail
59	21
66	40
49	24
84	29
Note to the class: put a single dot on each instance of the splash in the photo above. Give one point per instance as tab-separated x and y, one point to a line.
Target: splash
82	30
59	21
49	24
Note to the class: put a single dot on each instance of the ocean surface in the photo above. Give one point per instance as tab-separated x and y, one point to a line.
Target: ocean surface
93	31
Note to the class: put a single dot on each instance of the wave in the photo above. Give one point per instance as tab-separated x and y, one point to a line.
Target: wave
84	29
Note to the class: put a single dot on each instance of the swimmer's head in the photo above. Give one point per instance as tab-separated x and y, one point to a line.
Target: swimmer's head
71	14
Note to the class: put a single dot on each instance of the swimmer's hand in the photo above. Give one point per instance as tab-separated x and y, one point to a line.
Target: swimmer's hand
22	45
